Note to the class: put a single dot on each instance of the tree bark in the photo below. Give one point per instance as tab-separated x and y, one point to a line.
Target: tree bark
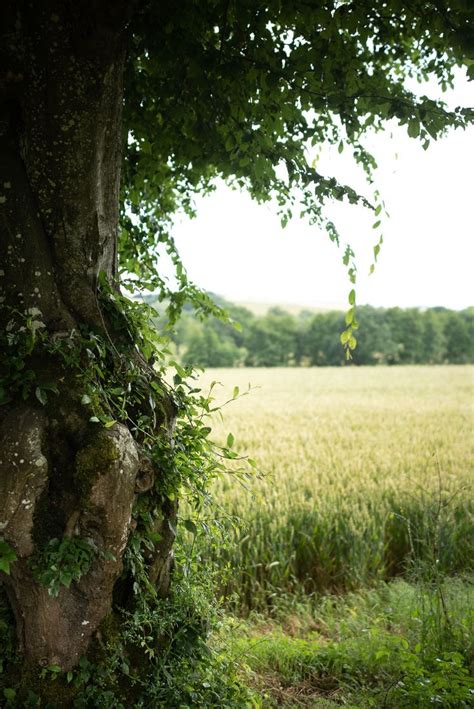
60	154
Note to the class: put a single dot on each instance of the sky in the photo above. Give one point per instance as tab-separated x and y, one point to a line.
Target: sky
238	249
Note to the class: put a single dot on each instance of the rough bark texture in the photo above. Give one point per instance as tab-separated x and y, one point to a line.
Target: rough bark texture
61	152
61	67
57	630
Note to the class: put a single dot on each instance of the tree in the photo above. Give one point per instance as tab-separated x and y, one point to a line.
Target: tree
406	328
459	341
113	114
376	346
207	349
434	341
321	347
272	340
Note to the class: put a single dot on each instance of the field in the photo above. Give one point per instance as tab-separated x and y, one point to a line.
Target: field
365	492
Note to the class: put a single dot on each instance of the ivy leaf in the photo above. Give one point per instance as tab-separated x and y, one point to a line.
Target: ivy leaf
7	556
190	526
10	694
41	395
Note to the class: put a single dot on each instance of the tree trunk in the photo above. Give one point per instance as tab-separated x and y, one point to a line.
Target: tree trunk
62	476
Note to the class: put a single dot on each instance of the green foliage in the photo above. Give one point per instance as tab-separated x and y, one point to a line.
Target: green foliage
388	336
62	561
7	556
207	349
18	341
103	378
258	87
379	668
158	654
371	646
445	681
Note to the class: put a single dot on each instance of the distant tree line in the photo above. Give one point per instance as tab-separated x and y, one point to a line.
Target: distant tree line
280	339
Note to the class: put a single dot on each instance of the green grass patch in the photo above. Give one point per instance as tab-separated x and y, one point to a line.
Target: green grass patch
395	646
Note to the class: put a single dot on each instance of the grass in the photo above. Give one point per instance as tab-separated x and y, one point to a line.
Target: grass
366	471
345	568
376	648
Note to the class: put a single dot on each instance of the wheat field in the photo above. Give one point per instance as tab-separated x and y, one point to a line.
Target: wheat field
366	473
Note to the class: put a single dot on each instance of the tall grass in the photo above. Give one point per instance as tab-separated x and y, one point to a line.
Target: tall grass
366	469
375	648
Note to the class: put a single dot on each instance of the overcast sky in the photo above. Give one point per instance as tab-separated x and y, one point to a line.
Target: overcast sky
238	249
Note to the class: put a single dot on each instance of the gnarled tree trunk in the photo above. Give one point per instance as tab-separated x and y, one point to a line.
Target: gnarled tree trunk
60	153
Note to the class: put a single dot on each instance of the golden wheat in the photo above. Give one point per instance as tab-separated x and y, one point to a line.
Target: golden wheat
361	466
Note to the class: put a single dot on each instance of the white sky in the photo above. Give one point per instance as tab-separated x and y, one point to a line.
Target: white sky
237	248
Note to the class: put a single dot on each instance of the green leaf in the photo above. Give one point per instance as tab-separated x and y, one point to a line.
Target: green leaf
414	128
110	423
5	566
345	336
41	396
7	556
155	537
190	526
55	669
352	297
65	579
85	399
230	440
235	393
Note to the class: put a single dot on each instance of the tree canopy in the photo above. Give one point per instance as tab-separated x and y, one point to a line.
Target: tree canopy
241	90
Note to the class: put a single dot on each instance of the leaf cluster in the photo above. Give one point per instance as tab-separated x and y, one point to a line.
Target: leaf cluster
62	561
257	88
